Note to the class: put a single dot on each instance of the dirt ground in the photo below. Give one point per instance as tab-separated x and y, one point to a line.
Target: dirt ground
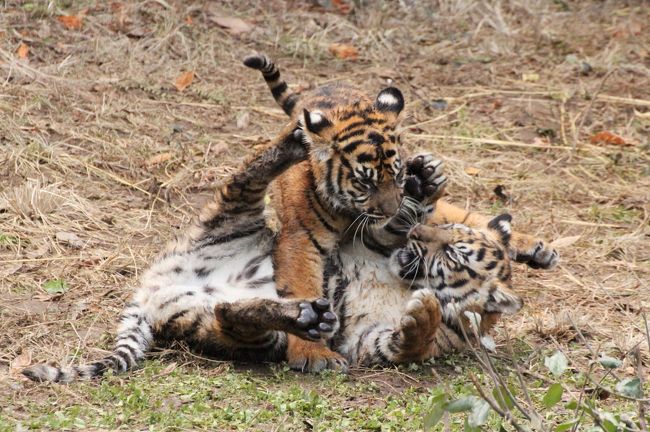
540	108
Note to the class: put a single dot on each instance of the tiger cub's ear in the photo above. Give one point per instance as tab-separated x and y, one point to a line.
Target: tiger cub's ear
501	225
316	122
390	101
502	300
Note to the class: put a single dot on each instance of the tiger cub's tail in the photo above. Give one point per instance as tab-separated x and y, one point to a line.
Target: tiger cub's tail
283	96
133	340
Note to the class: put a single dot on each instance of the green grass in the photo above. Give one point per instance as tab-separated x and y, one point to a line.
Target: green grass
198	396
230	400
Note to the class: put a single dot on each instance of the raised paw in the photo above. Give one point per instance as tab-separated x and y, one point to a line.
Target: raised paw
424	179
539	256
419	324
315	320
308	356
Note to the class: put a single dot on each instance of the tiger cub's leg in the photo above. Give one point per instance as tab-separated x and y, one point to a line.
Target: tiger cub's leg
523	248
243	320
409	341
237	210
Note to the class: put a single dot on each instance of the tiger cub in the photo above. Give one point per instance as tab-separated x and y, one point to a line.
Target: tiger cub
216	289
355	171
413	305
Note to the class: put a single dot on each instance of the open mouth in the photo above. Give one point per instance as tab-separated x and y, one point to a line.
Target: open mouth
411	261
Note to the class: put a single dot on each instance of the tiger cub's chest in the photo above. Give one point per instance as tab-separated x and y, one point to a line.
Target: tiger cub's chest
373	292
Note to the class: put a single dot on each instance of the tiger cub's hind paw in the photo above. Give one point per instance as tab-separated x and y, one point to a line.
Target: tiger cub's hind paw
539	256
424	178
418	325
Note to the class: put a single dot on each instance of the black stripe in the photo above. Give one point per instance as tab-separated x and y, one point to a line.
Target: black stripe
352	146
364	335
214	240
371	244
349	135
290	103
126	357
175	299
321	250
380	355
279	90
129	336
315	203
273	76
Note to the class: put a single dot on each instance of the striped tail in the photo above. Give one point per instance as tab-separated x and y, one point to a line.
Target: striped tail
133	340
283	96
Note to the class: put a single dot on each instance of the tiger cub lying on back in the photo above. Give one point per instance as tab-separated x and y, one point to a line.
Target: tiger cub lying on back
215	287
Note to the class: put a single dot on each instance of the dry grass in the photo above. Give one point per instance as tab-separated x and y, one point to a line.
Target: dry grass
101	159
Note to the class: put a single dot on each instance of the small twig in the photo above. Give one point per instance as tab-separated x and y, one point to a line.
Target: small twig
489	141
639	373
587	110
520	377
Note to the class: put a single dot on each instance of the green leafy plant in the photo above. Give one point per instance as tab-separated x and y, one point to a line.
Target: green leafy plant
520	407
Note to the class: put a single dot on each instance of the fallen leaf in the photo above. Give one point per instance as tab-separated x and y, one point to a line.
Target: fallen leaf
71	239
605	137
342	6
342	51
21	361
55	286
235	26
158	159
22	51
530	77
188	20
184	80
71	22
564	241
473	171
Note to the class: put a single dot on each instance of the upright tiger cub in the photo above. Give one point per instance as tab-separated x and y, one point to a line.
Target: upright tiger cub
354	174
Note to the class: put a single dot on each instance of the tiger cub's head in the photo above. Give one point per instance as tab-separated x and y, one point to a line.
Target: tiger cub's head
354	154
468	269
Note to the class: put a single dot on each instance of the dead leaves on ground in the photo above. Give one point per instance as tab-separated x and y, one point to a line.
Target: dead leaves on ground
234	26
20	362
71	22
343	51
605	137
22	51
184	80
158	159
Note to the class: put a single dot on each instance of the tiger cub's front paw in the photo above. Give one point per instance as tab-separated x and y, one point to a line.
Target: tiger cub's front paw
315	320
425	181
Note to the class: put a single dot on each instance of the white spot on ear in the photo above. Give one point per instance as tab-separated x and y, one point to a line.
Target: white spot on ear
315	117
387	99
505	226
